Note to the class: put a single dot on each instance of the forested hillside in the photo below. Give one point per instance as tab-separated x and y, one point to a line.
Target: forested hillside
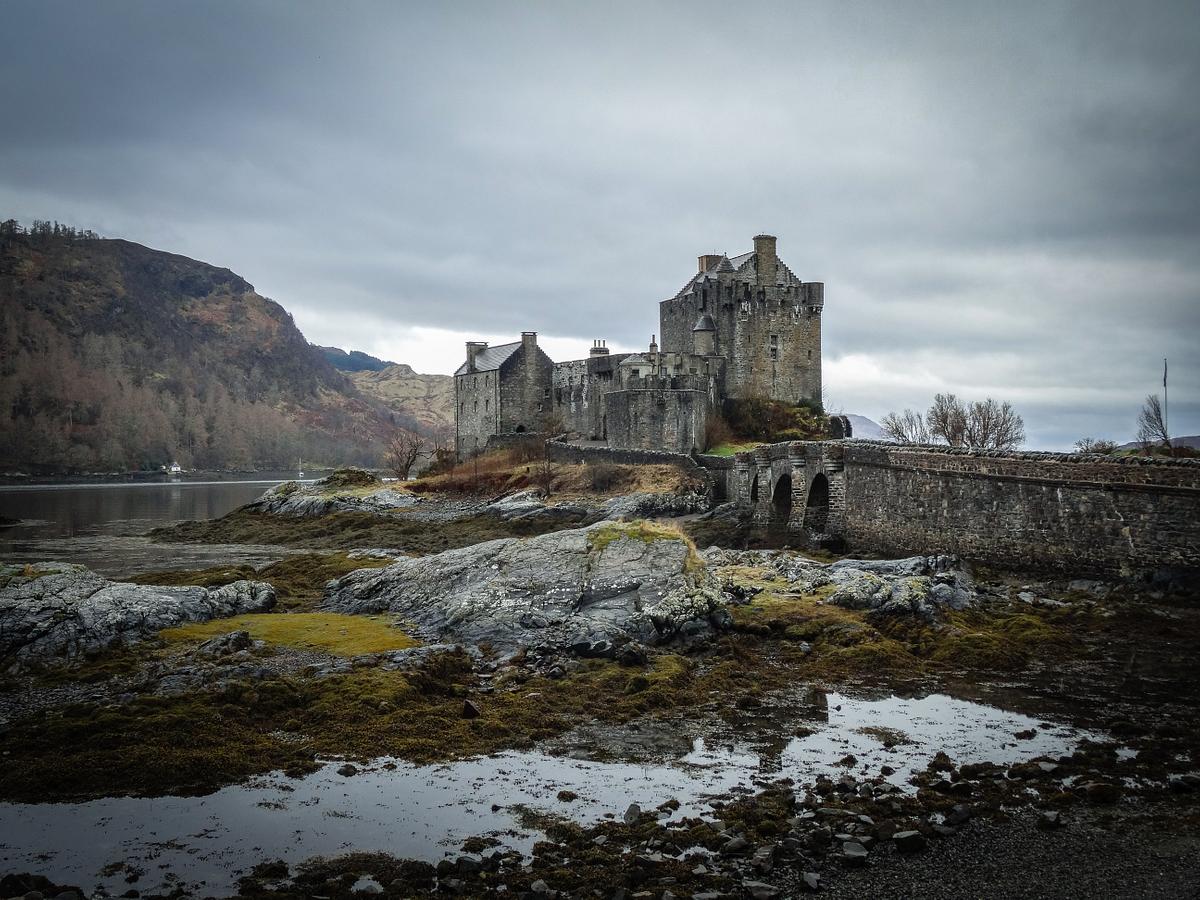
114	356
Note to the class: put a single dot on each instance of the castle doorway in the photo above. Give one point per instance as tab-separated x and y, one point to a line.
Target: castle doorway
754	490
816	509
781	500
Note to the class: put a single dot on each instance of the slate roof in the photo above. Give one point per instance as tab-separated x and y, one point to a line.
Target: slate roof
745	264
490	359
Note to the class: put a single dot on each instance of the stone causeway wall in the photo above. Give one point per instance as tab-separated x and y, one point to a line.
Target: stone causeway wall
1083	513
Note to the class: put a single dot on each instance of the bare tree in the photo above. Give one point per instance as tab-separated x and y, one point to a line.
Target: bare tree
907	427
404	450
1095	445
1152	425
947	420
993	426
987	424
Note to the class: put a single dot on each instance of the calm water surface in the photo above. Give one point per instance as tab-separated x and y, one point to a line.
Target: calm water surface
102	526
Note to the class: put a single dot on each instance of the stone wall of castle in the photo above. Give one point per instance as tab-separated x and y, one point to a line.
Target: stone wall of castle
525	380
654	415
579	388
477	399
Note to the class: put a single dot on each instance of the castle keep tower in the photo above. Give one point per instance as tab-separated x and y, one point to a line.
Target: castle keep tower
741	327
753	311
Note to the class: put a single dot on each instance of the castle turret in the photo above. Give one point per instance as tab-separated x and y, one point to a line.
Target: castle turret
704	336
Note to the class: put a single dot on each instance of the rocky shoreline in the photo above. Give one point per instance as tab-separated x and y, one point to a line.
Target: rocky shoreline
523	620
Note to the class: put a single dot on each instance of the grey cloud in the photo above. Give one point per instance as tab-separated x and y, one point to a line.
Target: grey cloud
975	184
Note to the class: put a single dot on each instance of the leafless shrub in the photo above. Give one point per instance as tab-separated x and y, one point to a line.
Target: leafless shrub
1095	445
1152	424
907	427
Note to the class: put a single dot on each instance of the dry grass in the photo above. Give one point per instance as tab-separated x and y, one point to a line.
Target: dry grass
504	471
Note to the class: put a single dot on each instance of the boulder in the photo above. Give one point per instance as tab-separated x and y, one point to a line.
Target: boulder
56	614
341	492
597	588
919	586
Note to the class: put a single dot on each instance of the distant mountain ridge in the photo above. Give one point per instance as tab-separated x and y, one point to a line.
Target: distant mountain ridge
116	356
427	399
865	429
1190	440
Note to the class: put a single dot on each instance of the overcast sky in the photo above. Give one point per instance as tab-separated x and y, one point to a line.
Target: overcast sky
1002	199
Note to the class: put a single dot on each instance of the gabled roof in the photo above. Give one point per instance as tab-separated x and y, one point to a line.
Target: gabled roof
745	264
490	359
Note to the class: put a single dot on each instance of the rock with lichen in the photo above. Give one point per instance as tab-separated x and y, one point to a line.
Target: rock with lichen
346	490
589	591
54	613
920	586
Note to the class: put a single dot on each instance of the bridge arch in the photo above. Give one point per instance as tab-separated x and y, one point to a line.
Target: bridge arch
781	500
816	506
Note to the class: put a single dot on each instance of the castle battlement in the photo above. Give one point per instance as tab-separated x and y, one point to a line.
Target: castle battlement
742	326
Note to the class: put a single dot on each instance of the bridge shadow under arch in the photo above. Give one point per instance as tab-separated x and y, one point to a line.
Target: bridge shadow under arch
781	500
816	507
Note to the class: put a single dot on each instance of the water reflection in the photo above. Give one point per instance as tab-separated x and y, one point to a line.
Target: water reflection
427	811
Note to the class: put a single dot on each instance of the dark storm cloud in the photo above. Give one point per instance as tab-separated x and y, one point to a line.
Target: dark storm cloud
1000	198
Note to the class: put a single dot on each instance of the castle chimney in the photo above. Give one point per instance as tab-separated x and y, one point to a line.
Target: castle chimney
765	259
598	349
710	261
653	344
529	343
474	348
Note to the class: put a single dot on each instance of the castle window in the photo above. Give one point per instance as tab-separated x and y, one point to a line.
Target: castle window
476	384
810	354
476	406
546	394
462	407
487	405
774	346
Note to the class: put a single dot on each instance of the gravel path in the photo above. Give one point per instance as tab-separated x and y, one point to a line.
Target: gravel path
1114	857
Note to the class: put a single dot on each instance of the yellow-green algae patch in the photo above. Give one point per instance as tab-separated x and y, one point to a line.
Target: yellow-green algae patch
648	532
335	633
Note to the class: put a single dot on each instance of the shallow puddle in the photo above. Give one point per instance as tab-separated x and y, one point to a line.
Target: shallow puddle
427	811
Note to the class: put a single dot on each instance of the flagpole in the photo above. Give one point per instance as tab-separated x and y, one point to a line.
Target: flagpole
1166	405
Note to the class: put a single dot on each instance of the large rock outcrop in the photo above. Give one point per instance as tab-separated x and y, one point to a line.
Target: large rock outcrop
347	490
921	586
589	590
54	613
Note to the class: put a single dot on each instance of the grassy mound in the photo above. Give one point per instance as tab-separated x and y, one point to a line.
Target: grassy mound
335	633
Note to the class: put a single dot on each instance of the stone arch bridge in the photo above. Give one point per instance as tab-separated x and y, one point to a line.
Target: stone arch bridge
1028	509
800	486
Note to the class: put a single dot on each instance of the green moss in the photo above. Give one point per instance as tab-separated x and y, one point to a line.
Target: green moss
978	650
334	633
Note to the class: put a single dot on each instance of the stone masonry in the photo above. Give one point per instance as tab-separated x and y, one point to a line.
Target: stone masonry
741	327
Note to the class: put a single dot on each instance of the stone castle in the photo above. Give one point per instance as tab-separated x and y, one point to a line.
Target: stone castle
741	327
